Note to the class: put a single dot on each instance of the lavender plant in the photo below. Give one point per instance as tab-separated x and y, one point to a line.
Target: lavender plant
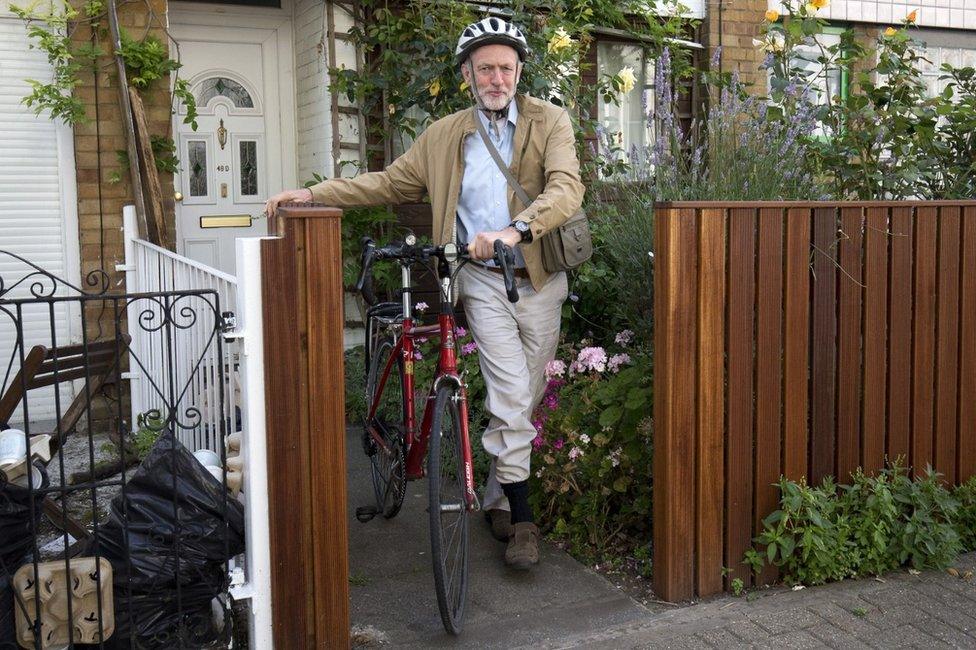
739	150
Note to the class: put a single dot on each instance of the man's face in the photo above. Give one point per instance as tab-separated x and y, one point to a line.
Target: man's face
496	71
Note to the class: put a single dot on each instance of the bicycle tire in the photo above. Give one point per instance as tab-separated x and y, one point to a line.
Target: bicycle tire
387	469
447	505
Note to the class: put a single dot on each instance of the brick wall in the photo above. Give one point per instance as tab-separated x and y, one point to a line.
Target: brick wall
96	142
732	24
311	78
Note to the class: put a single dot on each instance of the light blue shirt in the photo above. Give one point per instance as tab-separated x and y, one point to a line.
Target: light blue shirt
483	204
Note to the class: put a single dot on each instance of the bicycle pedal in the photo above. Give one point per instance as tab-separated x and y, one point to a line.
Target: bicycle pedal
366	513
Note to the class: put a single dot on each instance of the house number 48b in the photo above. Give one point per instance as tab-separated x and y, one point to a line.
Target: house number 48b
223	168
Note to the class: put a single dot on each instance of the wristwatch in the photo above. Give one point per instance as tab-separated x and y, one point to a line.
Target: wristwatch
523	230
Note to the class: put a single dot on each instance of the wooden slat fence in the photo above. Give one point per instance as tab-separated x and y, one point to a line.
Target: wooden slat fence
805	340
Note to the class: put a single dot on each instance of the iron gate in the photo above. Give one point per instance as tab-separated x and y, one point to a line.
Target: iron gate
115	533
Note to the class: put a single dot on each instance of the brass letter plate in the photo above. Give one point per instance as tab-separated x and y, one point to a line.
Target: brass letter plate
226	221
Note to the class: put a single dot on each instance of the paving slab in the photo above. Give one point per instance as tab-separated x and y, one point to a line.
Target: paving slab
932	609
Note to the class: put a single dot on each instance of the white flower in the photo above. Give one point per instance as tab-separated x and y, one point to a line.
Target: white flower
575	453
585	439
555	368
421	306
627	79
774	42
624	337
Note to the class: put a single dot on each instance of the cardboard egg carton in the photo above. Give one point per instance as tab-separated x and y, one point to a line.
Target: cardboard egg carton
58	626
235	463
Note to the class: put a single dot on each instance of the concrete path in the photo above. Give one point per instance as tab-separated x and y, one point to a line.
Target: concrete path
563	604
392	586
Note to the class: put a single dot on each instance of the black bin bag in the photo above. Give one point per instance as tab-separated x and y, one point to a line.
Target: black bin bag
167	572
16	542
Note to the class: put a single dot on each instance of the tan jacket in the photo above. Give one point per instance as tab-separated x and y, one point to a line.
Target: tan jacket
543	160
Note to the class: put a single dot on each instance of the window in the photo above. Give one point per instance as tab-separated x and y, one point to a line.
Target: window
224	87
627	123
827	83
937	56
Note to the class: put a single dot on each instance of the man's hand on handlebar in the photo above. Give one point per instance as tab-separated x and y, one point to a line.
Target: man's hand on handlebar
482	247
303	195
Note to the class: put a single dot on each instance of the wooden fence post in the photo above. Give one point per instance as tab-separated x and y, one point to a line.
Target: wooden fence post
675	312
302	292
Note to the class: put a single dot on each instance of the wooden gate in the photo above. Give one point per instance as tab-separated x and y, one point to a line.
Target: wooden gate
805	340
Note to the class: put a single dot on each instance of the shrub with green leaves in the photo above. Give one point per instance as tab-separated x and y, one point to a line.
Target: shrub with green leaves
966	516
877	523
591	466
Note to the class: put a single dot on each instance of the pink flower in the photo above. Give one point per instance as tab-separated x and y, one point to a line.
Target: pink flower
417	355
618	360
624	337
460	331
555	368
421	307
558	444
468	348
575	453
537	442
594	358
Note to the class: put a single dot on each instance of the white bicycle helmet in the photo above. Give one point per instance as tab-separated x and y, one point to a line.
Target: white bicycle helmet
490	31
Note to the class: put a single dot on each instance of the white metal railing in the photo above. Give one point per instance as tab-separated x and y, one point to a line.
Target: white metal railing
150	268
166	362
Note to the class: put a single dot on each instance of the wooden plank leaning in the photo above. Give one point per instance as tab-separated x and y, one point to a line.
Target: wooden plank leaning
126	113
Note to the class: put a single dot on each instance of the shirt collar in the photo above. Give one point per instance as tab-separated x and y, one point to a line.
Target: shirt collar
512	114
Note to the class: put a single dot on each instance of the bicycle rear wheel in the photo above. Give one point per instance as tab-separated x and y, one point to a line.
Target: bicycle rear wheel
387	466
447	508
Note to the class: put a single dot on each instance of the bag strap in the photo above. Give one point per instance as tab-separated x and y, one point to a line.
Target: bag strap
497	157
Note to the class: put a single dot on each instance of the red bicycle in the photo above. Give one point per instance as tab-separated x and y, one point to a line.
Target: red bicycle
396	446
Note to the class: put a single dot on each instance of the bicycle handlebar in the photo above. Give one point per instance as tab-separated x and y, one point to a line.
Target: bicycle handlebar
406	253
506	259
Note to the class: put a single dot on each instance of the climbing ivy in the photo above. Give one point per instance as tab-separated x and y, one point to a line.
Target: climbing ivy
146	61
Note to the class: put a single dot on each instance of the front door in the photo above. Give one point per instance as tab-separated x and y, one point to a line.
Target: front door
231	162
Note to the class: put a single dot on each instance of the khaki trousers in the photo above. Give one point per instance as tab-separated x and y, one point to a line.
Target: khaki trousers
515	342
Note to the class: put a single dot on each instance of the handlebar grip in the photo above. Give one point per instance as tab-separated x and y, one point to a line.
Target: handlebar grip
365	283
506	259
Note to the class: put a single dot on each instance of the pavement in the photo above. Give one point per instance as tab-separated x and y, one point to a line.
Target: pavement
563	604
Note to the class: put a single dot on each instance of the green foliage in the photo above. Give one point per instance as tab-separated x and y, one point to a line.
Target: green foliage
966	516
875	524
146	60
50	32
614	290
592	462
882	138
413	80
738	586
149	426
355	384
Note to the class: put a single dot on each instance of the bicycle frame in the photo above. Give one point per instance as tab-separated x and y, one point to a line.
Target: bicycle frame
417	439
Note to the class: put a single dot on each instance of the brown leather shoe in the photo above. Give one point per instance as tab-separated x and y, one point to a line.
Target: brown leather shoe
501	523
523	546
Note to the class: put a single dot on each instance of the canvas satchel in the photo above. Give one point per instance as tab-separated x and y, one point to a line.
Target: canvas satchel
565	247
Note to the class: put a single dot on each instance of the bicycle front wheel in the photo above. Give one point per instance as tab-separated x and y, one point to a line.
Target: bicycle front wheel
387	466
447	508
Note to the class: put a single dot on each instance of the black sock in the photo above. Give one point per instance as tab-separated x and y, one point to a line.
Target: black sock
518	500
